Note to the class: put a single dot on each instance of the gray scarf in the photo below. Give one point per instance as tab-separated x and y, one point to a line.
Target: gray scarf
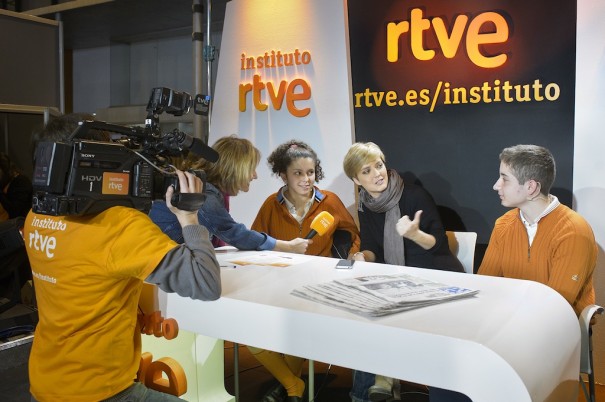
388	202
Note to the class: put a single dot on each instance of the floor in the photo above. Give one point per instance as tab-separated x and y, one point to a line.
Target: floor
599	393
332	383
14	382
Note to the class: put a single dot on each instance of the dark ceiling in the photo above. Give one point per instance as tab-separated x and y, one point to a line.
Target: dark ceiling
128	21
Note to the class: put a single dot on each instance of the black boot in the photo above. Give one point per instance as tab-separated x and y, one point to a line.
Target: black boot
277	393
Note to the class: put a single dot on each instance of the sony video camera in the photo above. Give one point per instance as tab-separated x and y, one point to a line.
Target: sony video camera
81	176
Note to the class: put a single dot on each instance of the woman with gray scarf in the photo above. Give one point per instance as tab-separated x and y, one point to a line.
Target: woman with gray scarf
399	225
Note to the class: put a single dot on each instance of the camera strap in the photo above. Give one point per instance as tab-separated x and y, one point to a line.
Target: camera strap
188	201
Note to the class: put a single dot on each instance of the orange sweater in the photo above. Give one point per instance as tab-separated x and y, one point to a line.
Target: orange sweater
274	219
563	254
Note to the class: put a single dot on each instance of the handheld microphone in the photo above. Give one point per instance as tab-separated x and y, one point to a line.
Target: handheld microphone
320	225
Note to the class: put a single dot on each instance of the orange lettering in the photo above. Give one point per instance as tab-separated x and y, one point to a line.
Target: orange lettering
170	328
297	90
474	39
257	89
154	324
418	25
243	90
146	359
293	96
176	381
151	373
450	43
276	98
394	31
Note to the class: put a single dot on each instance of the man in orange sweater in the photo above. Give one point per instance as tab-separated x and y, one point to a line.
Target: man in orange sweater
540	239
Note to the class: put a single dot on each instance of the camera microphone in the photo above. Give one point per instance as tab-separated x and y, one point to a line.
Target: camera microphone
195	145
320	224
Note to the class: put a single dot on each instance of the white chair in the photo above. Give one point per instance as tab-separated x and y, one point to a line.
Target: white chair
586	364
462	245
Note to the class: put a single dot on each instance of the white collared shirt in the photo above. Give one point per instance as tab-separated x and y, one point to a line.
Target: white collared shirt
532	228
292	208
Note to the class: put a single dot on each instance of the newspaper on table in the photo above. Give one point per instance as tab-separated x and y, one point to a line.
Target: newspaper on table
379	295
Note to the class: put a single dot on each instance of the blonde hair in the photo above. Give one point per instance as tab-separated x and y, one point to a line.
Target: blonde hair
360	153
238	159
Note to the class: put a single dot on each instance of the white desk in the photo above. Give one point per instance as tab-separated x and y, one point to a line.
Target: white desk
515	341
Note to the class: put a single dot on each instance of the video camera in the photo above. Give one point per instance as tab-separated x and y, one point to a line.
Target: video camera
86	177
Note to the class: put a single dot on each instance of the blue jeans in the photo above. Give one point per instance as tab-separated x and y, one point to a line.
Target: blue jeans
361	382
137	392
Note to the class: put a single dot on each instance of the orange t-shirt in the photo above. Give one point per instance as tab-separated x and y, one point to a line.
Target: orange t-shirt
88	274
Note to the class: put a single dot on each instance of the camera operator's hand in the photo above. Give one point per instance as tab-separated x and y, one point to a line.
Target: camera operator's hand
188	183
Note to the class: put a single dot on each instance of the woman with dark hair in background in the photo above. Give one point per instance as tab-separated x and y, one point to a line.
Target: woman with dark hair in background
15	202
15	190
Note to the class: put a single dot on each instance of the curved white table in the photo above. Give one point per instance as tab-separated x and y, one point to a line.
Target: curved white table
515	341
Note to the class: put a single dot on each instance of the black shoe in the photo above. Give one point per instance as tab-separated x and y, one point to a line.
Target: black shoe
277	393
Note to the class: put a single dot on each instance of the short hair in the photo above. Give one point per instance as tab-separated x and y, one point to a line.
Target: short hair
286	153
360	154
59	129
238	159
531	162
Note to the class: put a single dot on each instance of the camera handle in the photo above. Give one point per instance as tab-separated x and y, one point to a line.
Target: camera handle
188	201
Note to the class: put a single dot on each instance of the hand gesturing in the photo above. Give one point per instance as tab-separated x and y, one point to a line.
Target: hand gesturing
407	228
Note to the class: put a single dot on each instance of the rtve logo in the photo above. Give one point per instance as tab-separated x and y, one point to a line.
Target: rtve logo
496	31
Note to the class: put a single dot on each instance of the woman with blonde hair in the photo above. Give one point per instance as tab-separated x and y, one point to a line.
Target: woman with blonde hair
399	225
232	173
